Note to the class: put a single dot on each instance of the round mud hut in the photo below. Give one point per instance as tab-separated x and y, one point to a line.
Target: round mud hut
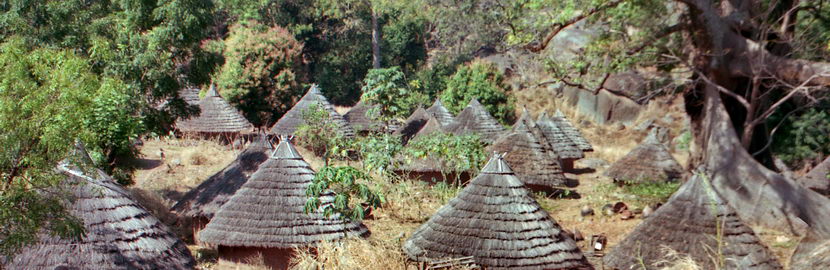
438	110
266	215
217	118
648	162
573	133
698	223
497	222
292	119
120	233
475	119
201	203
566	148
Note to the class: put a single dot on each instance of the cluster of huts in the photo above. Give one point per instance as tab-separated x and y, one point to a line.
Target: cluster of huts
256	204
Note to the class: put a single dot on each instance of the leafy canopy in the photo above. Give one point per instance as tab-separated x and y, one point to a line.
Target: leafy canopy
345	183
483	81
457	153
388	88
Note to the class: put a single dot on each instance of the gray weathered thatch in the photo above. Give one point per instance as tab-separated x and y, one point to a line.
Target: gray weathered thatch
696	222
216	116
431	163
210	195
572	132
267	212
120	233
817	179
532	158
359	120
558	139
292	119
475	119
439	111
190	95
496	220
412	125
432	126
648	162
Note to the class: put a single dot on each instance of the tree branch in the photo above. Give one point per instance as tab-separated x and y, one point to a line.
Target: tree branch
558	27
660	34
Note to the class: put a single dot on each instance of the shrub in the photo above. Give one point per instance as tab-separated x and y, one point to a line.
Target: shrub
388	88
464	153
378	152
344	182
803	137
483	81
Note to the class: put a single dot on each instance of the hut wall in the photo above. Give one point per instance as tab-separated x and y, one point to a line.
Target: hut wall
274	258
198	225
434	177
568	164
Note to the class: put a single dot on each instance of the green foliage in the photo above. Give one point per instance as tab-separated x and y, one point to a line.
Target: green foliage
652	193
345	183
320	134
684	140
457	153
803	136
433	79
483	81
388	88
259	71
378	152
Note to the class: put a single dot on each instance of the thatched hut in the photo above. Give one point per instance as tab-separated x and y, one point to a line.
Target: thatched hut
360	121
572	132
497	222
695	222
190	95
648	162
120	233
217	117
566	148
266	215
438	110
475	119
292	119
412	125
817	179
201	203
532	158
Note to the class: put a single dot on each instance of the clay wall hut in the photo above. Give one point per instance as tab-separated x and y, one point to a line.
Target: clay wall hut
217	117
695	222
497	222
201	203
120	233
476	120
438	110
266	215
566	148
292	119
573	133
648	162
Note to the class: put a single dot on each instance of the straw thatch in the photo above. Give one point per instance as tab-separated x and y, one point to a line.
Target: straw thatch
558	139
120	233
268	211
190	95
431	163
438	110
531	156
475	119
496	220
292	119
412	125
217	116
572	132
432	126
359	120
817	179
210	195
648	162
698	223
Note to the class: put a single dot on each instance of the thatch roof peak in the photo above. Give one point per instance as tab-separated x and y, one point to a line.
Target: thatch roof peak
475	119
212	91
292	119
651	161
695	221
216	116
495	220
531	156
359	119
413	124
285	150
572	132
440	112
558	139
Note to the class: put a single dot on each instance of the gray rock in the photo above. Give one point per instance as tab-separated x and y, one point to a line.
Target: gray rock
647	211
645	125
593	163
586	211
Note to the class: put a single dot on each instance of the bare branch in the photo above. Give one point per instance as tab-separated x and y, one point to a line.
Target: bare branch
660	34
740	99
558	27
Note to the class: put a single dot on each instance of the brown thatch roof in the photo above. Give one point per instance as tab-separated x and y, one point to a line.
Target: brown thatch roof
438	110
558	139
217	116
120	233
496	220
359	120
696	222
412	125
648	162
267	211
432	126
190	95
292	119
475	119
210	195
431	163
572	132
817	179
532	158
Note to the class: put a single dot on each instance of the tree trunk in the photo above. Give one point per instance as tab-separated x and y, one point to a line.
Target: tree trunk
375	40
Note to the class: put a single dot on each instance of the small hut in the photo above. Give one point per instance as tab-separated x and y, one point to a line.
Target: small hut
360	121
438	110
412	125
497	222
266	215
120	233
567	149
648	162
698	223
217	117
572	132
475	119
201	203
532	158
817	179
292	119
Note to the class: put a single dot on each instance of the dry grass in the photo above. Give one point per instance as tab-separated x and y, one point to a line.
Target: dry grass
186	164
353	253
676	261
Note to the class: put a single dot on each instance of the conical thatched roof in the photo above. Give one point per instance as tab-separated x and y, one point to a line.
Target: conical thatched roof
475	119
292	119
439	111
558	139
531	156
432	126
431	163
217	116
817	179
267	211
120	233
696	222
496	220
359	120
413	124
190	95
210	195
572	132
648	162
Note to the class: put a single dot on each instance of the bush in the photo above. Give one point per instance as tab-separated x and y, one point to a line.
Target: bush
483	81
388	88
319	133
378	152
803	137
464	153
